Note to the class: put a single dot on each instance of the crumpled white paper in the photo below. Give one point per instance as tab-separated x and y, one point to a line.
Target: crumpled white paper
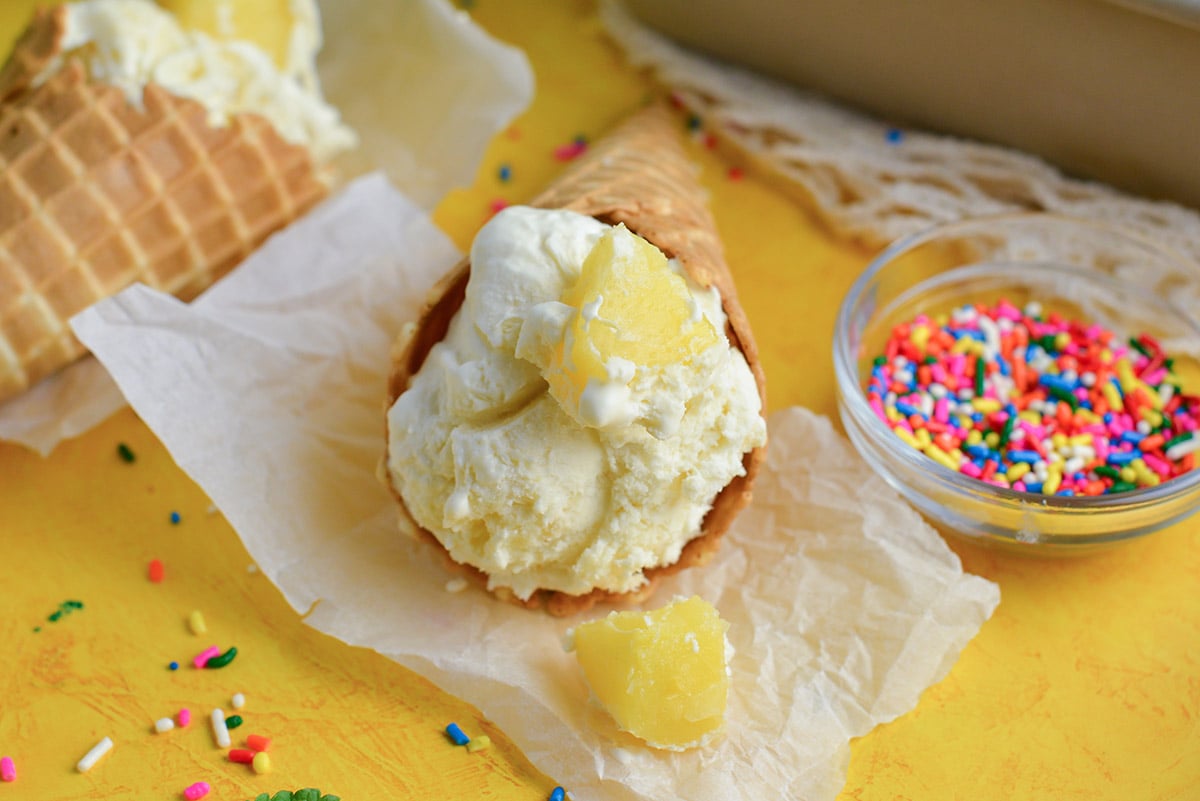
424	87
844	605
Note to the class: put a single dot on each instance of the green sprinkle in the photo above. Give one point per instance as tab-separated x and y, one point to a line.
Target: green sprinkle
221	661
73	604
54	616
1139	347
1048	342
1006	432
879	361
126	453
979	374
1184	437
1108	472
1065	395
1122	486
233	721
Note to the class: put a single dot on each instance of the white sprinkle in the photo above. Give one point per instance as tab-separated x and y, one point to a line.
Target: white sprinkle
938	391
1033	309
1182	449
456	585
1073	465
238	701
251	568
163	725
95	755
220	730
1166	392
212	509
1143	427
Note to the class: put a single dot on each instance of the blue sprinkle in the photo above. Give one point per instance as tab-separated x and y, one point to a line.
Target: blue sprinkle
1065	492
580	140
978	451
1108	418
1033	486
894	136
969	333
175	518
456	734
558	794
693	123
1028	457
1123	457
174	666
1132	437
1048	380
505	172
907	409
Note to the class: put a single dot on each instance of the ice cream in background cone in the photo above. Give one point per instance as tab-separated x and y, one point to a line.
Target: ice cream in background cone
139	152
637	177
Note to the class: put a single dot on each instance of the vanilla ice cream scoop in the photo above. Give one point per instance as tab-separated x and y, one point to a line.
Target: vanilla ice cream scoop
497	448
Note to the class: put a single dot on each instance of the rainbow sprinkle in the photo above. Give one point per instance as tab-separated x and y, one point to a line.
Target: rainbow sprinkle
1036	403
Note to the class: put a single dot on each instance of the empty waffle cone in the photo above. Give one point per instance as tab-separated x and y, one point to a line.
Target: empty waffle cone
638	175
97	194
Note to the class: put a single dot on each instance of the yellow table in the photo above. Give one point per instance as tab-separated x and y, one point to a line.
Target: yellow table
1084	685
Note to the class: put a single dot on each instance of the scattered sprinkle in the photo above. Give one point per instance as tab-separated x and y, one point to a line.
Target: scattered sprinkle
197	790
126	453
98	752
261	762
497	205
196	622
693	122
156	571
710	141
185	718
558	794
163	725
219	729
222	660
257	742
173	666
456	735
456	585
233	721
893	136
175	518
251	568
8	770
736	173
65	608
504	173
1035	403
243	756
571	150
211	509
513	132
200	659
238	701
479	743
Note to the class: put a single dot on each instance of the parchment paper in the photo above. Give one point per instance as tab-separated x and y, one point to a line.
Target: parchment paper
844	605
424	87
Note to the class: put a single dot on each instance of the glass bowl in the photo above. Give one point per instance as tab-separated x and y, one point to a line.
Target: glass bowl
1085	270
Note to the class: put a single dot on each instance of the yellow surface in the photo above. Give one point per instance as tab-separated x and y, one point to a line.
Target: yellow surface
1084	685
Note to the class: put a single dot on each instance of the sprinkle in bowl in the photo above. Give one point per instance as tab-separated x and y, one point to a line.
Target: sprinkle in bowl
1003	373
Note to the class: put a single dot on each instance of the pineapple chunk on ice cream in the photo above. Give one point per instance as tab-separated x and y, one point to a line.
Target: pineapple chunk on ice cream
500	452
663	675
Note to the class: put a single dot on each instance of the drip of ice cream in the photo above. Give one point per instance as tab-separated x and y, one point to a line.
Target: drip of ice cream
132	43
581	414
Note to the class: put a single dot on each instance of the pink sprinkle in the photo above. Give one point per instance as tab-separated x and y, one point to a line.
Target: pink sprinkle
941	410
877	407
498	205
1006	309
205	655
185	718
197	790
1186	422
8	771
1019	485
1157	465
904	424
570	151
970	469
1101	446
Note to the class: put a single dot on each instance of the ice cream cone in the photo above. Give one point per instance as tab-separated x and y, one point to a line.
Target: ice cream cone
97	194
639	175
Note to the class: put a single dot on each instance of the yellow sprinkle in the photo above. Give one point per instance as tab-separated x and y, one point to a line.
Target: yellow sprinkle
986	405
1017	471
1113	397
1058	440
1106	356
1062	340
262	762
1052	483
1080	439
196	622
961	346
908	438
1155	419
1088	416
974	437
1142	471
893	413
1030	416
941	457
478	743
992	439
1128	475
924	438
1151	480
919	336
1125	374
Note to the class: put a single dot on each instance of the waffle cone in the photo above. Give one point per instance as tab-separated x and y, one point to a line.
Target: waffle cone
97	194
638	175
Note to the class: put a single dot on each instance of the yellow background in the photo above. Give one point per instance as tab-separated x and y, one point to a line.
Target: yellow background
1084	685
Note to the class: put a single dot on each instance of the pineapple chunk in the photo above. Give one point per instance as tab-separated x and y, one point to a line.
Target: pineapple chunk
631	310
266	23
662	675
